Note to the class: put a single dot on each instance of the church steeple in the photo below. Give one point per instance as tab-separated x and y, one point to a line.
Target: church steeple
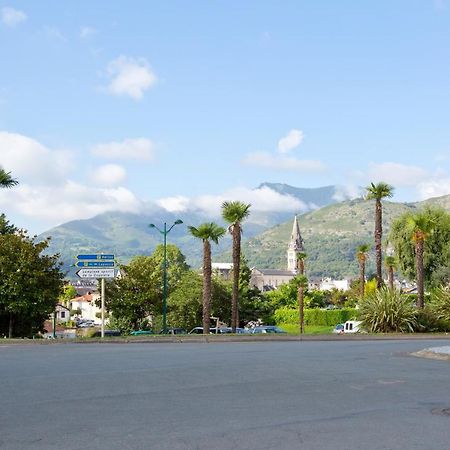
295	246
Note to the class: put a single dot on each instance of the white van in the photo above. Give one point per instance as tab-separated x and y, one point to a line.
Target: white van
352	326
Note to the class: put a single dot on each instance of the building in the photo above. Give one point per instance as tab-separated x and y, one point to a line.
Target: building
85	306
222	270
270	279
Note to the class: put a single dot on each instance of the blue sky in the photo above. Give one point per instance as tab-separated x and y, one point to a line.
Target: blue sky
187	104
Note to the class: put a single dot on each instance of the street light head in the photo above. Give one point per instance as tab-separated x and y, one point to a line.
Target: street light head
178	221
152	225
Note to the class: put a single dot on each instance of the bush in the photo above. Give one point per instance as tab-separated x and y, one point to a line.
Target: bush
314	316
388	311
440	302
428	320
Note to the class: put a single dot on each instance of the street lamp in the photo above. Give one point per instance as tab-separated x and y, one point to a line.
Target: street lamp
165	232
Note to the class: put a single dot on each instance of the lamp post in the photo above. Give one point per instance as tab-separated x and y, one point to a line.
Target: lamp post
165	232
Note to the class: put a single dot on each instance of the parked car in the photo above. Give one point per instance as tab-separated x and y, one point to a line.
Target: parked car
173	331
141	332
107	333
268	329
196	330
339	328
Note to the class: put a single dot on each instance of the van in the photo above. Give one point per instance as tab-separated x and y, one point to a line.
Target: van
352	326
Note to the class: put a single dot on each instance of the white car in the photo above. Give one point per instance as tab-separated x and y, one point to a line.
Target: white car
352	326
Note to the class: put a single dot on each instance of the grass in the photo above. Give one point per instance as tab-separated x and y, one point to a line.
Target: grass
309	329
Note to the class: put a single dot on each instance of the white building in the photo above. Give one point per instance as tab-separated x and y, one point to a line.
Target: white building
327	284
86	306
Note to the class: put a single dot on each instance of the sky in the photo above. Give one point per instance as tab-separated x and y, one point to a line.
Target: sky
118	105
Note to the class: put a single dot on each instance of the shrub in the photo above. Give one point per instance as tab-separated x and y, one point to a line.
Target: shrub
428	320
440	302
388	311
314	316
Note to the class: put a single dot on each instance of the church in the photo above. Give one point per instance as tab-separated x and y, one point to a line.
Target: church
270	279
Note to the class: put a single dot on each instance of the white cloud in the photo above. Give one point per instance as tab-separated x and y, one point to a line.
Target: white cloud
139	148
398	175
54	34
292	140
31	162
347	192
130	76
109	175
262	199
87	32
434	188
12	17
266	160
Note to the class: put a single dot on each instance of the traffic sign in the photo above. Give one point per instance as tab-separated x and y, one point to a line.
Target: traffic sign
96	256
95	264
95	273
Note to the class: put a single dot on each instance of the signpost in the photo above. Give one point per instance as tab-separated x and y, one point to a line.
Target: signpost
97	266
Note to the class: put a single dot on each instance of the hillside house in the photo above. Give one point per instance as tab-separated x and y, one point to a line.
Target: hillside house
86	306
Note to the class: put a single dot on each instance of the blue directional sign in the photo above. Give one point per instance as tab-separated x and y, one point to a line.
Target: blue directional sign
95	264
97	256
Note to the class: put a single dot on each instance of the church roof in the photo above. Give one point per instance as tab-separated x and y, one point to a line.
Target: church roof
273	272
296	238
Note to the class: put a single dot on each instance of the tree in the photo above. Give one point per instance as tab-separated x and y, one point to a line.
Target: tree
6	181
30	284
391	265
207	232
421	226
361	254
69	292
436	255
234	213
6	227
377	192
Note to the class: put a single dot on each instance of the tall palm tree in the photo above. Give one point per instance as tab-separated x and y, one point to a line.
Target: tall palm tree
207	232
234	213
361	254
377	192
421	226
391	264
301	285
6	180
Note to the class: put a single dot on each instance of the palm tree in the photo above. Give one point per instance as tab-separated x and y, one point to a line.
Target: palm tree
302	283
391	264
234	213
377	192
207	232
6	180
361	254
421	226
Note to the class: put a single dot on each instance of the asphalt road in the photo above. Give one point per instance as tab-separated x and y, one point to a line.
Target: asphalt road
269	395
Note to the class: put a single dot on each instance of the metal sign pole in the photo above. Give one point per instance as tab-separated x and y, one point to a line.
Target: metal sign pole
103	306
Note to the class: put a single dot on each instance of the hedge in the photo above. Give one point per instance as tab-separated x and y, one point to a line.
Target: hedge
315	316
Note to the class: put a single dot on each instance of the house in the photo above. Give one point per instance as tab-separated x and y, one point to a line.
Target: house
62	313
327	284
86	307
222	270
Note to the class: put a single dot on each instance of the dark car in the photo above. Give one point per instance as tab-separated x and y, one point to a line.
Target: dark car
107	333
173	331
268	329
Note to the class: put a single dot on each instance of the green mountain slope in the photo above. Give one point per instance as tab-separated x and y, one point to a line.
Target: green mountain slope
331	236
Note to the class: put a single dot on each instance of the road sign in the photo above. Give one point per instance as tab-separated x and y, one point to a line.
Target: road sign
96	256
95	264
95	273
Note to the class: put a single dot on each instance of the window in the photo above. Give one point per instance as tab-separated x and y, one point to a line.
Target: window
63	314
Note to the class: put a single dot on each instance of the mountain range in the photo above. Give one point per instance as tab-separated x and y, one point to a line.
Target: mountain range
331	232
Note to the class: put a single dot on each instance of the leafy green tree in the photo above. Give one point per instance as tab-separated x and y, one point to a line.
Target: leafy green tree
436	246
207	232
235	213
69	292
30	284
361	253
5	226
6	180
377	192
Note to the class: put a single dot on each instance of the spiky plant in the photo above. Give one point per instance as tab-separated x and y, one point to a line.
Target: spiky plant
388	311
440	302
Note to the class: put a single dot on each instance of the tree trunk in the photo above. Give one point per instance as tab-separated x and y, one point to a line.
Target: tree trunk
378	235
236	269
420	273
391	277
362	277
207	272
10	328
301	309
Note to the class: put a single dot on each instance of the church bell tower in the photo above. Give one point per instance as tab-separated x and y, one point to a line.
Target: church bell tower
295	246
